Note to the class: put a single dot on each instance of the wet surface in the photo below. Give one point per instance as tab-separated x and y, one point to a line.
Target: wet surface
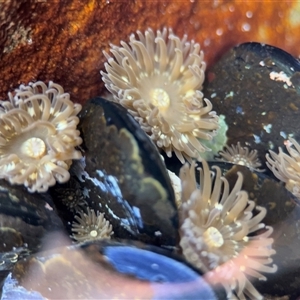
106	270
256	87
122	175
25	220
283	214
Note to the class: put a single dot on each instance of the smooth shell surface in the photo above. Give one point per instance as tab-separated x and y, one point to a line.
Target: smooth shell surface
106	270
122	175
25	220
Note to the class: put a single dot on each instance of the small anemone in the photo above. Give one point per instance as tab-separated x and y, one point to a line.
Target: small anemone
158	79
91	226
221	231
71	199
38	136
286	167
236	154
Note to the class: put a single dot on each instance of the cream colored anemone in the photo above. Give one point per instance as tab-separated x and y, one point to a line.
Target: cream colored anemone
158	78
221	233
38	135
286	167
91	226
239	155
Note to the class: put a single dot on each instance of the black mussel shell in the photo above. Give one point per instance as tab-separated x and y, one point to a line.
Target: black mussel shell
257	88
121	175
25	219
107	270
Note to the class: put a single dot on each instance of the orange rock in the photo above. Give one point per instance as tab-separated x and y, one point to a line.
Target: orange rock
63	40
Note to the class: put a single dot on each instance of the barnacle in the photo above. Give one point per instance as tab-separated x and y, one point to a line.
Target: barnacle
38	136
221	231
90	226
158	79
240	156
286	167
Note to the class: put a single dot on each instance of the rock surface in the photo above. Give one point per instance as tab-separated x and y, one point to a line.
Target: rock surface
63	40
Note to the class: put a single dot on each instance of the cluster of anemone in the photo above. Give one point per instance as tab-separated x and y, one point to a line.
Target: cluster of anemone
38	136
91	226
221	231
236	154
158	78
286	167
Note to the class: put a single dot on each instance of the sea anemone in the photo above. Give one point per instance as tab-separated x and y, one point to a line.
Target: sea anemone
91	226
158	79
240	156
72	199
221	231
286	167
38	136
